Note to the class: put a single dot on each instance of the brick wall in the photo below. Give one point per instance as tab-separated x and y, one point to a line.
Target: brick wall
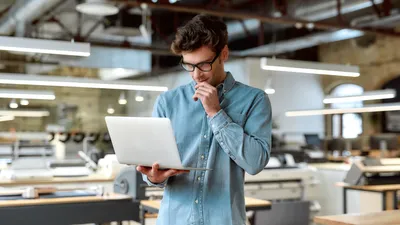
379	63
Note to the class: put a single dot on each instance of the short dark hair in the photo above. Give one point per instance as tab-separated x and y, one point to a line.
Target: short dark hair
199	31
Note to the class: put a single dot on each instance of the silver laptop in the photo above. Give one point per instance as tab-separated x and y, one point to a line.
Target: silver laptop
144	141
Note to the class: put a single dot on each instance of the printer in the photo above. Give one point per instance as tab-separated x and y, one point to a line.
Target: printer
374	171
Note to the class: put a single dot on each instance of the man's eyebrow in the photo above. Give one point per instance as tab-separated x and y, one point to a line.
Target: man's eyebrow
206	60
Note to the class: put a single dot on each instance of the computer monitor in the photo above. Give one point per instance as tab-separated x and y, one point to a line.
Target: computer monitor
375	141
356	143
336	144
313	140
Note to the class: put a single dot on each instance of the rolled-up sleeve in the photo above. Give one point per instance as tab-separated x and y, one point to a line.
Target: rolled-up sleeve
248	145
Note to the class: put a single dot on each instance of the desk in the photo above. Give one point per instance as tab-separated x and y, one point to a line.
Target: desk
152	206
93	178
388	192
381	218
69	210
63	182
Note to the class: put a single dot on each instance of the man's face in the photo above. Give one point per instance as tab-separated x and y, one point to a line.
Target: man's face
202	57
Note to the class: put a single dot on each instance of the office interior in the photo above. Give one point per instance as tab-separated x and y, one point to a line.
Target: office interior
331	70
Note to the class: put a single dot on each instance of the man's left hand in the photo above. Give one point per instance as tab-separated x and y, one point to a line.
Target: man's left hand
208	96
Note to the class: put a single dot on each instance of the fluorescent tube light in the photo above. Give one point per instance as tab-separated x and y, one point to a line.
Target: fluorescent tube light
27	94
368	95
31	45
38	80
117	73
296	66
24	113
367	108
6	118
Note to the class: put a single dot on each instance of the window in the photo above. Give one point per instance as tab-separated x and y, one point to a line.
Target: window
348	125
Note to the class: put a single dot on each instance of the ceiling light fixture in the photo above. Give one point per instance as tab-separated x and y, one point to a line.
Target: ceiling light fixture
122	100
368	95
270	91
268	87
13	104
27	94
97	8
6	118
367	108
39	80
110	109
31	45
298	25
24	113
24	102
296	66
139	97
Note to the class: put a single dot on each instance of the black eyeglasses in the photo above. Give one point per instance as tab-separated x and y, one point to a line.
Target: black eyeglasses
203	66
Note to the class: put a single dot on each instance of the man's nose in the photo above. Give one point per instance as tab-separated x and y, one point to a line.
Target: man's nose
196	73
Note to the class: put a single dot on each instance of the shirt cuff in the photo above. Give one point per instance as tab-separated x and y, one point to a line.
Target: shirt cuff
219	121
160	185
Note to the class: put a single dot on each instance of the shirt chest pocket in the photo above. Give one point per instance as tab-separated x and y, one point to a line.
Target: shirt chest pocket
237	118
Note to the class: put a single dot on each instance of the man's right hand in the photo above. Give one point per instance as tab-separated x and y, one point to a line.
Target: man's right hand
157	176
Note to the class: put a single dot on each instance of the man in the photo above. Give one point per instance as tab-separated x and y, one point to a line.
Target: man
218	123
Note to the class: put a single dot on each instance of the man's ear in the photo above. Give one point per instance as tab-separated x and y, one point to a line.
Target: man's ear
225	53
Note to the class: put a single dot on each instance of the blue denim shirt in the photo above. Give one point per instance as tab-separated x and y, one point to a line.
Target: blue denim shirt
234	141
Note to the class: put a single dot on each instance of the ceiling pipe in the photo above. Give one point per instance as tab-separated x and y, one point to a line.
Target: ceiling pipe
244	15
23	11
320	37
321	10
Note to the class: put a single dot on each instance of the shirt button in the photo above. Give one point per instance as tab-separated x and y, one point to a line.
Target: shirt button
196	201
222	143
205	136
202	156
198	178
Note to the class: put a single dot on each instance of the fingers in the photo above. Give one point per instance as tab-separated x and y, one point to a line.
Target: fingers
170	173
203	93
205	90
158	174
204	84
197	96
143	169
174	172
155	167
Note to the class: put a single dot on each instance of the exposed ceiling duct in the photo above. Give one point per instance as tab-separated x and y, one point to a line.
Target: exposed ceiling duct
326	37
301	43
316	12
374	21
23	11
328	9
